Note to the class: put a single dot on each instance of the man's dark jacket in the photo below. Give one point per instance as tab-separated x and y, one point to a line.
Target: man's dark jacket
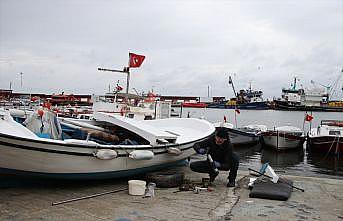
221	153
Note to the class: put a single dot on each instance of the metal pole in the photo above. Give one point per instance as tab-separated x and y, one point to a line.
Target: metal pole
281	181
21	79
304	121
87	197
155	109
127	85
311	121
181	111
235	118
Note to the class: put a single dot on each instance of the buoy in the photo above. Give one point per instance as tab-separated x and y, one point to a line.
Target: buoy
106	154
174	151
141	155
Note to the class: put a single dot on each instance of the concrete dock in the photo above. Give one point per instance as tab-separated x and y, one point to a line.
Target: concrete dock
322	200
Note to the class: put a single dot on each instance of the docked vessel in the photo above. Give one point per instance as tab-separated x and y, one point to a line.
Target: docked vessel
247	135
248	99
327	138
110	146
283	138
194	105
315	99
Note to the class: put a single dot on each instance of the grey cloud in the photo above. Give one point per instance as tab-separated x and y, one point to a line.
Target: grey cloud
188	44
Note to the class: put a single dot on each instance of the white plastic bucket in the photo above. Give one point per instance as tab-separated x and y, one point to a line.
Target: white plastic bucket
137	187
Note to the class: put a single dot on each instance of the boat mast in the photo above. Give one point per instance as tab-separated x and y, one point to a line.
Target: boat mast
295	83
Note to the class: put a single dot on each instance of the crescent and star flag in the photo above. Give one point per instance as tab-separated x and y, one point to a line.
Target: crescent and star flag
237	111
119	88
135	60
308	117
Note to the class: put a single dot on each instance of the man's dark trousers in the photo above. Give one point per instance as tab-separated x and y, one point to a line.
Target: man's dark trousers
204	167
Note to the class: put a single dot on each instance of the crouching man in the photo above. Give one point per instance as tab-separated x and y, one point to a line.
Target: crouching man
219	149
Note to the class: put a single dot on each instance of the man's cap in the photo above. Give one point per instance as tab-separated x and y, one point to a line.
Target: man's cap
222	133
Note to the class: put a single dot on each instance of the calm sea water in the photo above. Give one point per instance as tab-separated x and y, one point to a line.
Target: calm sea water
299	162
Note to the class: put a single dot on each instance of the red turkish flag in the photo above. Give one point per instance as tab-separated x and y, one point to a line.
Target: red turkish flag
308	117
119	88
237	111
135	60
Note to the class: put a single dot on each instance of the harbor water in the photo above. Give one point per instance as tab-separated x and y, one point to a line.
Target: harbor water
298	162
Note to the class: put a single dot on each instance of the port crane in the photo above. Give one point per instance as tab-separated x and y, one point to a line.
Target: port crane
331	89
233	87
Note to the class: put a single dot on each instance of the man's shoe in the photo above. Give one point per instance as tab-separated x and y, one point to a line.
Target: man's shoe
213	177
231	184
211	184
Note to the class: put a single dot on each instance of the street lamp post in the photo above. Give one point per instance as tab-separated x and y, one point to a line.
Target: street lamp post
21	79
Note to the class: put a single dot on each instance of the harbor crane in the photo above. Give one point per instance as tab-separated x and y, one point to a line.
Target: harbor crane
233	87
331	89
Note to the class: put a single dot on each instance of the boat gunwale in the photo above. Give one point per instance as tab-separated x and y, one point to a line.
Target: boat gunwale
115	147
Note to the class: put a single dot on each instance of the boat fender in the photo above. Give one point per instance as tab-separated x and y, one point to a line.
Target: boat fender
105	154
174	151
141	155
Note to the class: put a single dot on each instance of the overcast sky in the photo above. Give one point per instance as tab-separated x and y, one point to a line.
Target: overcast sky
189	45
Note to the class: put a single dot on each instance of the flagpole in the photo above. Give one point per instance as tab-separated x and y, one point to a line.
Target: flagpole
235	117
127	84
304	121
311	121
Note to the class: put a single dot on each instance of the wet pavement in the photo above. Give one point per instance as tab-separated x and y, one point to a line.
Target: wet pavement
32	200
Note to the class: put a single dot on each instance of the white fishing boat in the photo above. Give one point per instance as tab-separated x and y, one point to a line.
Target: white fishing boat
113	146
140	109
283	138
326	138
